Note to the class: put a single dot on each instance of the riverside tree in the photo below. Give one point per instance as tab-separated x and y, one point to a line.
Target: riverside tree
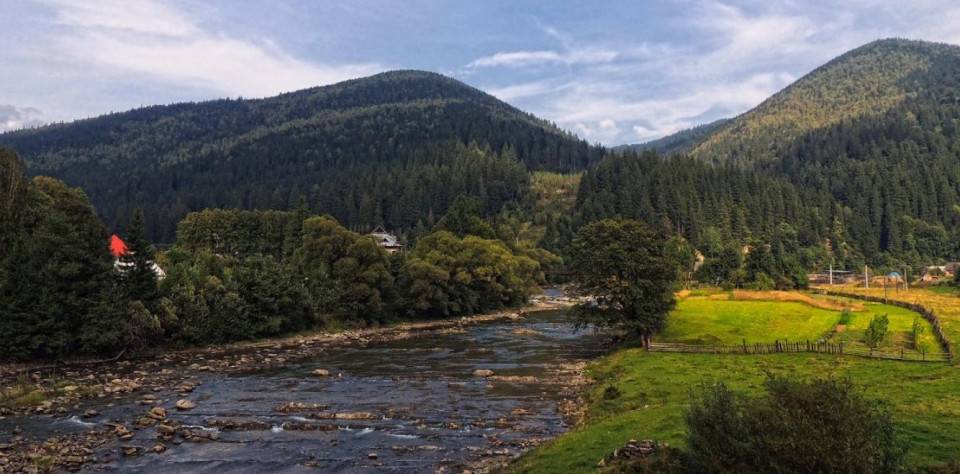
626	268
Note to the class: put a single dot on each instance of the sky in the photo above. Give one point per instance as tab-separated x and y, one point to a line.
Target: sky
613	72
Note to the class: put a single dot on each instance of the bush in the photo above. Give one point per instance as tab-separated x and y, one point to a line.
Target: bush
818	426
845	316
916	332
877	331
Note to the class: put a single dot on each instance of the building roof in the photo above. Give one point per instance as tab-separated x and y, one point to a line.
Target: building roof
117	246
385	238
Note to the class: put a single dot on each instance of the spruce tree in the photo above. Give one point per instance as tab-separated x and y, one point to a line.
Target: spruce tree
138	276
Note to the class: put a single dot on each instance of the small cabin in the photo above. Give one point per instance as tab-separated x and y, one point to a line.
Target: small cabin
388	241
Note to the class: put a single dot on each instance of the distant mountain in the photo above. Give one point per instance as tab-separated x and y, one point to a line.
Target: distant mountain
865	82
389	149
680	142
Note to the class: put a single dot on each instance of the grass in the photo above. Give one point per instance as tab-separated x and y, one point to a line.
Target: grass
715	318
898	332
647	394
944	290
946	306
711	321
25	393
655	391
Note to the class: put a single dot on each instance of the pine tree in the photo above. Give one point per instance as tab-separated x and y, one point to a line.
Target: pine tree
138	276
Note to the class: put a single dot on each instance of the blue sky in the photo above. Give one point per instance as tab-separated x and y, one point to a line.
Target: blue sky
610	71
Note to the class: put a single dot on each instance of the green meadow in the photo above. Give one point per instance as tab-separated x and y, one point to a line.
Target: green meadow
654	389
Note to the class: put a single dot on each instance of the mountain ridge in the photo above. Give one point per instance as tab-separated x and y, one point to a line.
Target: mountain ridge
825	97
329	144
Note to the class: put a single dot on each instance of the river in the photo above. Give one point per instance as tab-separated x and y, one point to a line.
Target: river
412	405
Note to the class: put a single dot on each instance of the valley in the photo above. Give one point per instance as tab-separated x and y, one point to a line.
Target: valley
404	273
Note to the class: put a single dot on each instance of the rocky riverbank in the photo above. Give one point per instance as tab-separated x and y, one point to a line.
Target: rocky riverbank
150	382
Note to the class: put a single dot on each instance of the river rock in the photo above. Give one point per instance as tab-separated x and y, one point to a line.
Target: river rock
237	424
131	450
185	404
291	407
483	373
90	413
321	372
158	448
165	430
157	413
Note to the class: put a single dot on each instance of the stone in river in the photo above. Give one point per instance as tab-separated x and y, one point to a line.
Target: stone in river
321	372
185	404
482	373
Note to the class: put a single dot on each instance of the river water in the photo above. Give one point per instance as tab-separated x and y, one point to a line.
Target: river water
411	405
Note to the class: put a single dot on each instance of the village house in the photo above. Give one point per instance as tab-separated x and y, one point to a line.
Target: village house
118	248
935	273
388	241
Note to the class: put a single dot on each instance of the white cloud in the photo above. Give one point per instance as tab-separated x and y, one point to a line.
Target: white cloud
527	89
530	58
162	43
12	117
724	60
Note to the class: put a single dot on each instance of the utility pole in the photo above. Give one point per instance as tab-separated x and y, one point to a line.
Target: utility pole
866	277
831	273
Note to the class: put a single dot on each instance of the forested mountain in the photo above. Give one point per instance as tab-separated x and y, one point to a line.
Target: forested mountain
863	152
390	149
867	81
680	142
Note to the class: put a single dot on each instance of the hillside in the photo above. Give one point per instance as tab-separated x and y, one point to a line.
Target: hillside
867	147
867	81
390	149
680	142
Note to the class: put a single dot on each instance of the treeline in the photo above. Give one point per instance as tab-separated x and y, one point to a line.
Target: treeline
232	274
889	213
750	229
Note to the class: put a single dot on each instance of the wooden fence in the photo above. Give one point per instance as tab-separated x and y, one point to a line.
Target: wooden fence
777	347
924	312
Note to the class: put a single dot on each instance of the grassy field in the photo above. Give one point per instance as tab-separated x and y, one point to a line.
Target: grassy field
945	305
714	318
703	320
656	389
899	331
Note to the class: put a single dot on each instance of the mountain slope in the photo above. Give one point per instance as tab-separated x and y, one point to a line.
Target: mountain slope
869	142
680	142
867	81
351	149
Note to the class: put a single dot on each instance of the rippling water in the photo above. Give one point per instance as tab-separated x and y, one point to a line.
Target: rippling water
404	406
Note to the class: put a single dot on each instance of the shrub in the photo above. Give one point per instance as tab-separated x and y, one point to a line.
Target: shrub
817	426
877	331
845	316
916	331
611	392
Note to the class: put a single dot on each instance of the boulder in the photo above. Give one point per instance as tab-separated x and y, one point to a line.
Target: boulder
185	404
483	373
321	372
